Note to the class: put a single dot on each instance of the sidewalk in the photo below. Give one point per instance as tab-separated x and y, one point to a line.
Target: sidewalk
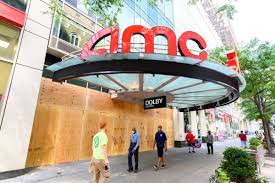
269	167
182	166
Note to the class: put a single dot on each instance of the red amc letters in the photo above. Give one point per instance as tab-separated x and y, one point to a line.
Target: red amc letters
149	35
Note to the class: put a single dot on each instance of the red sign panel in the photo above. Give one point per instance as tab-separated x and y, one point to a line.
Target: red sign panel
233	61
149	35
11	15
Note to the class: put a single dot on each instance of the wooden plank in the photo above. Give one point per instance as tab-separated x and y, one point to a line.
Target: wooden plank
42	146
68	135
89	129
68	116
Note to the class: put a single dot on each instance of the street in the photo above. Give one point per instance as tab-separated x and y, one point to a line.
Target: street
182	167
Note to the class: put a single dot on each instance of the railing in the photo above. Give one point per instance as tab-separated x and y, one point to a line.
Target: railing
139	47
65	46
258	156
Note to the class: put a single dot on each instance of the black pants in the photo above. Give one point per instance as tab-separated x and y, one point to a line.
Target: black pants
210	147
130	155
160	152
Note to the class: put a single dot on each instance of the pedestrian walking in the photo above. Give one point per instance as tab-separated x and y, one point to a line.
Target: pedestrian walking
161	142
243	139
100	162
199	134
210	141
190	139
133	150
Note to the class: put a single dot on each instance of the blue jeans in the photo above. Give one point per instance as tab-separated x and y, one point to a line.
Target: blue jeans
243	144
130	155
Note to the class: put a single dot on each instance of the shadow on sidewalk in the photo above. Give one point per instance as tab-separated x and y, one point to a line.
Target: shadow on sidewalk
15	173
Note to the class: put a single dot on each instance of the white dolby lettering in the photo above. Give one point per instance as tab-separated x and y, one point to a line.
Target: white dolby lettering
154	101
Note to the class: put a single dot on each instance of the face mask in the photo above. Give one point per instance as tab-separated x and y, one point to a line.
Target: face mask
133	132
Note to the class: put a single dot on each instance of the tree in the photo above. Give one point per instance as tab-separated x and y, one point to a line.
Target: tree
238	165
228	9
108	10
257	61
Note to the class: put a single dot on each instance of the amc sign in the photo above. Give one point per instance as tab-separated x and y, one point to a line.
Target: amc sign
174	45
156	102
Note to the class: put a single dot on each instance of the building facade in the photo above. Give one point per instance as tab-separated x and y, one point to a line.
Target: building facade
221	24
44	122
31	38
25	31
224	121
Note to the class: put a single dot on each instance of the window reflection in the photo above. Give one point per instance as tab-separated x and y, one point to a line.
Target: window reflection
74	39
9	36
68	35
5	69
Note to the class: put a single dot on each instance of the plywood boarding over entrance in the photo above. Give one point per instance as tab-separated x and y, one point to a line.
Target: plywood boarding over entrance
68	116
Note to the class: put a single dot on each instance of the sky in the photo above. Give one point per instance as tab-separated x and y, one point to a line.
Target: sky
255	18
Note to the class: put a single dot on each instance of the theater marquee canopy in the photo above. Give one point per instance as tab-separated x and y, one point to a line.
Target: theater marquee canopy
134	72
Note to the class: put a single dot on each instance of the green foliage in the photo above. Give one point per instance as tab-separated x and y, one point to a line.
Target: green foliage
254	142
257	62
222	176
107	10
264	180
238	165
218	55
229	10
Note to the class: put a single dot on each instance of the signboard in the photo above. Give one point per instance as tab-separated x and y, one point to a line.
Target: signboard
156	102
233	61
149	34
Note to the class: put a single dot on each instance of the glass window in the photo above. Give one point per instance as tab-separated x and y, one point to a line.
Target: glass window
94	87
152	14
72	2
70	33
9	36
186	121
130	3
74	39
19	4
77	82
169	10
144	5
5	69
126	18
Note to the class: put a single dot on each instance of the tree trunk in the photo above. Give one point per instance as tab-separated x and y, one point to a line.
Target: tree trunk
267	136
265	124
260	106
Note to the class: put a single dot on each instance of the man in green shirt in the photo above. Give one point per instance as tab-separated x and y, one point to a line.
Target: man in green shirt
100	162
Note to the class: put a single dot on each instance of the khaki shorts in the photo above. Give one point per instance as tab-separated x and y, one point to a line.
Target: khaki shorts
98	168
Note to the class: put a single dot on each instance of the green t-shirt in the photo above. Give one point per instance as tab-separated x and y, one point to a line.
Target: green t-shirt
99	140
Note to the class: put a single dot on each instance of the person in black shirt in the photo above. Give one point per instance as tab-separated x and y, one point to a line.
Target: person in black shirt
161	142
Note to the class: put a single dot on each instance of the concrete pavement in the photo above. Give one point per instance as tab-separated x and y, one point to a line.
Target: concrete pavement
182	166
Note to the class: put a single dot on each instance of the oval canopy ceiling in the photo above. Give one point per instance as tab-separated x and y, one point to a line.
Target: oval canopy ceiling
187	83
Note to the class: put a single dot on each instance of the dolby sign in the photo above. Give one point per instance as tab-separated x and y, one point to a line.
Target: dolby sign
156	102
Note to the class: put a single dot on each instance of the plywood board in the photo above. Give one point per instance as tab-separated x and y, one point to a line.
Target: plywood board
68	116
42	144
68	135
89	128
